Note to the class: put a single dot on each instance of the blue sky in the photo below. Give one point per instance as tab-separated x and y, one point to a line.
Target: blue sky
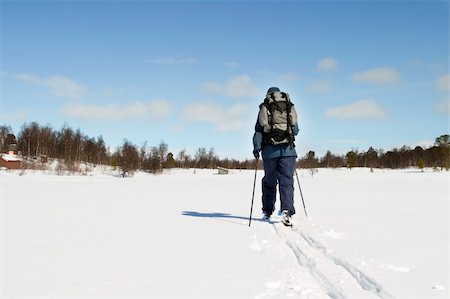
192	73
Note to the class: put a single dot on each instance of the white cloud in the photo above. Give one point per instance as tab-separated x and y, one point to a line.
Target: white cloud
57	85
320	86
19	116
427	65
64	87
327	64
213	87
241	86
443	107
153	111
224	119
363	109
378	76
443	82
287	78
172	61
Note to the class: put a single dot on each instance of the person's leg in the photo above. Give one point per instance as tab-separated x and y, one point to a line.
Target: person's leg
286	168
269	185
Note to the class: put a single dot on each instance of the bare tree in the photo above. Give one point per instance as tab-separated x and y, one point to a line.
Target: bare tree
142	155
212	158
163	148
101	151
153	161
5	131
128	158
181	158
201	158
442	145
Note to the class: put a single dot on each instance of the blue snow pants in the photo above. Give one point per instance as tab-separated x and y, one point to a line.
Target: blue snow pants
278	171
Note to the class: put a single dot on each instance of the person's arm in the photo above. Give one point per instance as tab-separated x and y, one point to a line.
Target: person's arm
295	129
257	139
294	118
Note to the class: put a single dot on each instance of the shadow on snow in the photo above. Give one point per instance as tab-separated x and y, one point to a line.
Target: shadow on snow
221	216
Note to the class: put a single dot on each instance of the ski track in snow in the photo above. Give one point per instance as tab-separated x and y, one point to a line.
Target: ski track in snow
363	280
315	265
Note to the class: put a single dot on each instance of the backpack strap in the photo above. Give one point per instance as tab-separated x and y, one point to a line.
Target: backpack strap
270	112
289	104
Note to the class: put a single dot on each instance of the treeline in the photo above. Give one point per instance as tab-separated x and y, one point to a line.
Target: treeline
436	156
34	141
156	158
72	146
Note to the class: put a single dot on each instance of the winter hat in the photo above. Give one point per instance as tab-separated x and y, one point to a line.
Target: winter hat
273	89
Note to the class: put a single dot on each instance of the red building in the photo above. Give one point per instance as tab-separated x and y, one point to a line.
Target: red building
10	158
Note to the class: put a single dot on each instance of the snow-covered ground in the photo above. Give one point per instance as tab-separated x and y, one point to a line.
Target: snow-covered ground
186	235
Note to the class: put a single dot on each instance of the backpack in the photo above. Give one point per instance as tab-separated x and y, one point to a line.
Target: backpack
277	117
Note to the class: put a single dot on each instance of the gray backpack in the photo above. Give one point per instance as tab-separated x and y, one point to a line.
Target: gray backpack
277	116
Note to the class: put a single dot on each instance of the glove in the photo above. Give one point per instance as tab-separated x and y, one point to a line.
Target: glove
256	154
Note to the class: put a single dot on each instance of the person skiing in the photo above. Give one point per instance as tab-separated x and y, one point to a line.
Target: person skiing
275	130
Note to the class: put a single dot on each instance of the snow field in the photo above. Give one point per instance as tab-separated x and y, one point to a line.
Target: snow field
186	235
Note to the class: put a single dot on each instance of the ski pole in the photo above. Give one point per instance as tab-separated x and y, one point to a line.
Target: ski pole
304	208
253	195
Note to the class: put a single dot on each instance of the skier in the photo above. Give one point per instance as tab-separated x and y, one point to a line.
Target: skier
274	134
